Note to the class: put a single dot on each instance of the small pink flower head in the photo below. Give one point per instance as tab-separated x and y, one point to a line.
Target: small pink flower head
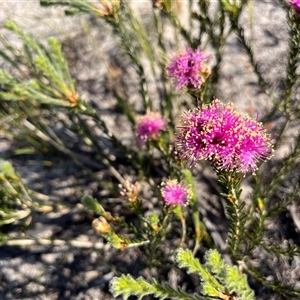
149	126
296	5
188	70
219	133
130	191
174	193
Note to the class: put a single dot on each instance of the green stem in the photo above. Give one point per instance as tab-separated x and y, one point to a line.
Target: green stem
156	241
194	208
293	59
183	237
229	182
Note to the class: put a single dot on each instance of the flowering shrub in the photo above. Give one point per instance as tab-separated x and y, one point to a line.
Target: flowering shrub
166	166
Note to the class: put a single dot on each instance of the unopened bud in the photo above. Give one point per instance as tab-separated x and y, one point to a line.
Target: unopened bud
101	226
118	241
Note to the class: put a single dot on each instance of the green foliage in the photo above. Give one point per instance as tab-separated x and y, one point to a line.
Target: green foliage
185	259
15	202
127	286
217	280
238	218
229	183
215	263
93	204
52	83
237	283
199	226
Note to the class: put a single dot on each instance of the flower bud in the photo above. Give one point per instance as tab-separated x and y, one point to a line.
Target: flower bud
130	191
101	226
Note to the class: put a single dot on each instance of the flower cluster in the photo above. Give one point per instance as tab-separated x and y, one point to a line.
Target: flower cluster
296	5
187	69
174	193
219	133
149	126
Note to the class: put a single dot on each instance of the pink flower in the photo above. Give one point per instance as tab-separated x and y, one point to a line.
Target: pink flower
174	193
219	133
149	126
296	5
187	69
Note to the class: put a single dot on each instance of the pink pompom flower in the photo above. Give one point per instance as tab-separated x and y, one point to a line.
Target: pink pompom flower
296	5
188	69
219	133
174	193
149	126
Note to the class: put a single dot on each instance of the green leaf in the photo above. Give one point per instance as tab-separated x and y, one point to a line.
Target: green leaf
218	280
185	259
72	11
60	61
237	283
214	262
127	286
208	289
93	204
